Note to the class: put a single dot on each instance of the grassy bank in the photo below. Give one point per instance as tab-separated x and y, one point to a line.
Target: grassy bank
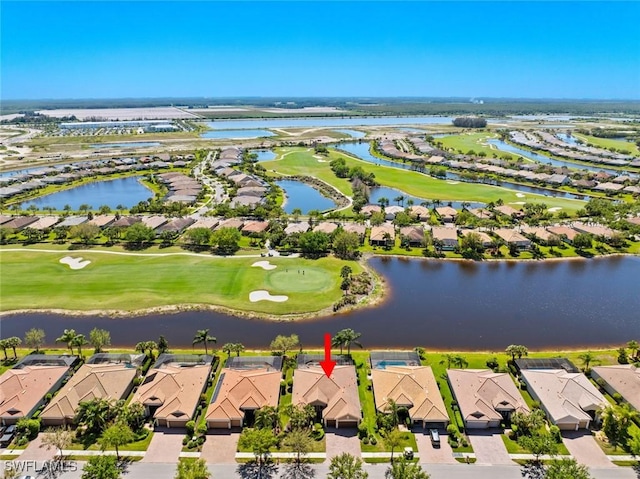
300	161
134	282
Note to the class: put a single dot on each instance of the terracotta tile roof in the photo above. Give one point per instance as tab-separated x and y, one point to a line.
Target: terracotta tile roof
413	387
623	379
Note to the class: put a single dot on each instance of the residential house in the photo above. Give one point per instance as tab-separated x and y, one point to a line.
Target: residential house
511	236
356	228
171	390
564	232
103	376
326	227
569	399
485	398
301	227
390	212
420	212
235	223
623	379
368	210
448	237
382	235
487	241
24	387
447	214
255	227
413	235
335	398
509	211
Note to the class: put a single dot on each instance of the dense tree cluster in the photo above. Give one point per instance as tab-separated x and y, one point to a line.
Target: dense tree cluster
470	122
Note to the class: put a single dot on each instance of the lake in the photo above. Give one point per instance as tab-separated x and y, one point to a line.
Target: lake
122	191
328	122
352	133
302	196
236	134
361	150
432	303
132	144
264	155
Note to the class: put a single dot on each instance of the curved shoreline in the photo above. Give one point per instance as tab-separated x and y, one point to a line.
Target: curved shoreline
380	294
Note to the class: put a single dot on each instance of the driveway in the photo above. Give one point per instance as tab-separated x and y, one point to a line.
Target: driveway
434	455
220	447
36	451
489	447
342	440
583	447
165	446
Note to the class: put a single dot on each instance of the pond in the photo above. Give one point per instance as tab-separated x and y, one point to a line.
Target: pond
567	138
131	144
304	197
432	303
236	134
122	191
391	193
361	150
352	133
264	155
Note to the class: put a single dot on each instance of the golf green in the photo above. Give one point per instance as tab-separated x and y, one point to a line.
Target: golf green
301	280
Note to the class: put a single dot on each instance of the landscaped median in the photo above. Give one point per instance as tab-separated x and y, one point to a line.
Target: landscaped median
127	282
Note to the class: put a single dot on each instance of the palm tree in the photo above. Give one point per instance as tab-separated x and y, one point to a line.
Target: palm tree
460	361
13	342
78	341
238	348
393	439
337	341
228	348
399	199
67	337
393	408
202	336
447	359
351	337
587	359
267	418
633	346
296	212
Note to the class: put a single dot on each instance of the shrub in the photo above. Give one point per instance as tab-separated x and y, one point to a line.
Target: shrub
362	430
452	430
202	429
137	381
365	440
191	426
464	442
200	440
185	440
48	397
373	440
555	433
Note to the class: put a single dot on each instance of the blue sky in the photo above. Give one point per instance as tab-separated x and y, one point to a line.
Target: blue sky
216	49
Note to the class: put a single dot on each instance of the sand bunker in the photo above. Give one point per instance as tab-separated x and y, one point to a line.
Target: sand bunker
517	203
554	209
453	182
520	195
322	161
262	295
75	263
264	265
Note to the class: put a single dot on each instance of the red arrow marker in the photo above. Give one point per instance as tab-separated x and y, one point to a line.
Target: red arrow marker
327	364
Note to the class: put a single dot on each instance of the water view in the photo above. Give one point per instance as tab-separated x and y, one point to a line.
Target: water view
131	144
264	155
122	191
322	122
233	134
304	197
437	304
352	133
361	150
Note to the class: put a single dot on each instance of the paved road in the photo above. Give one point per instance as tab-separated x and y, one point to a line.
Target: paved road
376	471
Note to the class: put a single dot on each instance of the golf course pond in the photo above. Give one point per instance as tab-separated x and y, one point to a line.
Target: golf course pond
303	197
121	191
433	303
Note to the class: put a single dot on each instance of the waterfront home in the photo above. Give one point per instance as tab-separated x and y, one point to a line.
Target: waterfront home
382	235
569	399
414	388
171	390
420	212
103	376
242	389
558	179
368	210
102	221
593	229
511	236
24	387
481	213
447	213
334	398
485	398
252	191
609	187
538	233
564	232
448	237
623	379
413	235
487	241
390	212
301	227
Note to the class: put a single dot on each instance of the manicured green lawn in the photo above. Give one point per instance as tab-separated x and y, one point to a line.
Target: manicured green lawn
607	143
476	142
128	282
299	161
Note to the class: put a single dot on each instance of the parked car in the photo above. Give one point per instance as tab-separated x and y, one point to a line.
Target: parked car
408	453
435	437
6	439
